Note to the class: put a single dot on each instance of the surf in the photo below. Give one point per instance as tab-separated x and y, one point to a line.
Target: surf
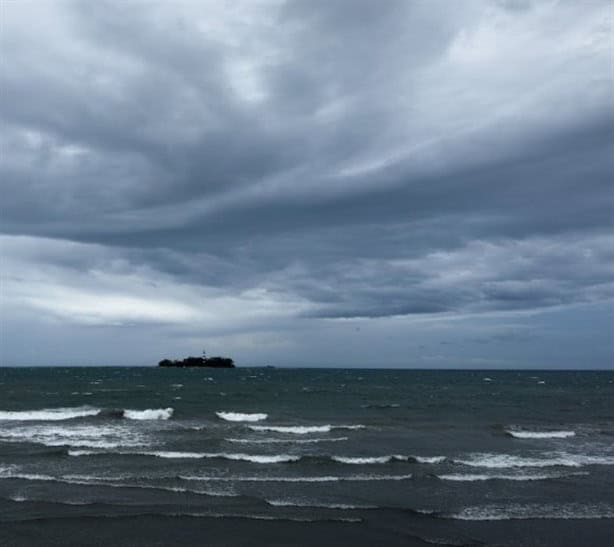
48	414
149	414
241	417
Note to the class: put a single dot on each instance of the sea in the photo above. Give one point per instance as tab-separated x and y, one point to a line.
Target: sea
276	456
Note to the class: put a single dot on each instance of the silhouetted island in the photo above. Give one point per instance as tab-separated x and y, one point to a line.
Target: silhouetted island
210	362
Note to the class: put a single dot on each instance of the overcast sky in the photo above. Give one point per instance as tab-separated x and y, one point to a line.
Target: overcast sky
325	183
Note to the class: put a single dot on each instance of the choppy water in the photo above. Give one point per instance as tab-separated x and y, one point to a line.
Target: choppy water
307	445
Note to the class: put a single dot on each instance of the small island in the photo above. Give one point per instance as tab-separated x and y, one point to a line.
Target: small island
204	362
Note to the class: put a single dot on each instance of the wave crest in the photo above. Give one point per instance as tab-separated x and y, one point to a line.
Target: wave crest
429	459
149	414
520	434
470	477
241	417
323	478
84	436
170	454
318	505
303	429
535	511
367	460
254	458
287	441
48	414
504	461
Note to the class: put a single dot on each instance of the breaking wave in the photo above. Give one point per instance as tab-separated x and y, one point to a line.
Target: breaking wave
520	434
470	477
149	414
429	459
504	461
84	436
535	511
286	441
261	458
303	429
362	460
367	460
48	414
241	417
317	504
324	478
254	458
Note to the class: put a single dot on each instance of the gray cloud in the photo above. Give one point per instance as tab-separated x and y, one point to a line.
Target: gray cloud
271	169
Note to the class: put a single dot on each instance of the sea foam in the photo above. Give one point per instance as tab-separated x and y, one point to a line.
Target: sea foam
520	434
241	417
149	414
367	460
535	511
470	477
317	504
287	441
503	461
303	429
429	459
48	414
323	478
86	436
253	458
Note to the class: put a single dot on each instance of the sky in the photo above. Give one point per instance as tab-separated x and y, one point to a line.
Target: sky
343	183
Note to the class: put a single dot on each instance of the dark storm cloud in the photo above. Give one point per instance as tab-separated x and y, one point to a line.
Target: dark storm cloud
348	159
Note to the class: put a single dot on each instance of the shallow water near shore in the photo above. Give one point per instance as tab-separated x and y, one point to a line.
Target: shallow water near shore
298	457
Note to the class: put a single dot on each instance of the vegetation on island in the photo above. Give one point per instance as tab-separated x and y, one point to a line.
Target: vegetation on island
204	361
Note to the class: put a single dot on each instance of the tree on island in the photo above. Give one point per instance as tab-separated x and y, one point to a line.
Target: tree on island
204	361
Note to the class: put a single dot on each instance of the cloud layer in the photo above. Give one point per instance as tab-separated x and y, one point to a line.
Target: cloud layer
269	176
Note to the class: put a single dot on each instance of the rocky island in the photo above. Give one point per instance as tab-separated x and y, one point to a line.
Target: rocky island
204	361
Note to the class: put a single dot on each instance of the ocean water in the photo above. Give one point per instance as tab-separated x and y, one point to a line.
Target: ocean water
252	456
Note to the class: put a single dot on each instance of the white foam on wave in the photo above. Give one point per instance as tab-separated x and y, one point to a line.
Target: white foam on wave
241	417
503	461
317	504
7	470
535	511
21	499
287	441
324	478
159	454
430	459
281	458
520	434
83	453
472	477
18	499
111	482
29	476
90	436
149	414
262	517
97	478
48	414
254	458
366	460
303	429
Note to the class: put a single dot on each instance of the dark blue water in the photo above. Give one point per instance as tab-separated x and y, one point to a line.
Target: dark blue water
447	456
